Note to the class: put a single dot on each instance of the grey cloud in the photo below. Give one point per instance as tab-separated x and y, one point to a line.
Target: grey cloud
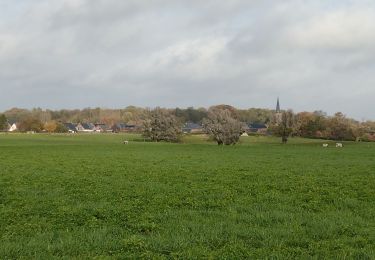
79	53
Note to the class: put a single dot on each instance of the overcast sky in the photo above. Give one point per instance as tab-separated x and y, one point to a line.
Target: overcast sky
314	55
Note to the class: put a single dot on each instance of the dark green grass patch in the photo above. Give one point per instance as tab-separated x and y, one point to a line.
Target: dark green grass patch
87	196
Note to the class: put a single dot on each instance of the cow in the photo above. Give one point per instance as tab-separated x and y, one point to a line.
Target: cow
339	145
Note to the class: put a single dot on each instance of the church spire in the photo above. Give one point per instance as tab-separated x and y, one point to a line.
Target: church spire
278	110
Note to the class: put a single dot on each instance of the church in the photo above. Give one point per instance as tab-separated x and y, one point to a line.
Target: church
278	113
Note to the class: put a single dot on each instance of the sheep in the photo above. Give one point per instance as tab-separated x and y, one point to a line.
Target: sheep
325	145
126	142
339	145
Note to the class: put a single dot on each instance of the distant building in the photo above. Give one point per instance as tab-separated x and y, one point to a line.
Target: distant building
85	127
12	126
100	127
192	128
257	128
122	127
71	127
278	112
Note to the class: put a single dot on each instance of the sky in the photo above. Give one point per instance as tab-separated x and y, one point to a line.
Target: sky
313	54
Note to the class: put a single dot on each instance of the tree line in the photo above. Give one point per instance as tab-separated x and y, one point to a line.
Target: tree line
319	125
223	123
131	114
225	126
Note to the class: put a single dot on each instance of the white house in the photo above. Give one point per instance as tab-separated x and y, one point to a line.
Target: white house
12	126
85	127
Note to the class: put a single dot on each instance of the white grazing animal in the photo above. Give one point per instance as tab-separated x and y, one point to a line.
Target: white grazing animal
339	145
325	145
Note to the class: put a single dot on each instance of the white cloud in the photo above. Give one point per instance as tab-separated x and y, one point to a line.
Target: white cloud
196	58
337	30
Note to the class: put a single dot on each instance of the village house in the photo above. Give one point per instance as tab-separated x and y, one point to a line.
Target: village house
12	126
85	127
122	127
192	128
71	127
257	128
99	127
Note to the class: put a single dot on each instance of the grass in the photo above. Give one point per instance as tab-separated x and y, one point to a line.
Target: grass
90	196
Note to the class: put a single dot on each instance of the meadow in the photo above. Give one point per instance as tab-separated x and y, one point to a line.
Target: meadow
90	196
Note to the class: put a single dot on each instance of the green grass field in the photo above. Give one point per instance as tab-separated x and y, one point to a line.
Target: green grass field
88	196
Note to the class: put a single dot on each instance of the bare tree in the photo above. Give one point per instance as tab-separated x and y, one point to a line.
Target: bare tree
161	125
222	127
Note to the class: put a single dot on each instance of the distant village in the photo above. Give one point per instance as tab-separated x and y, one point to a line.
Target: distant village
254	121
187	128
129	119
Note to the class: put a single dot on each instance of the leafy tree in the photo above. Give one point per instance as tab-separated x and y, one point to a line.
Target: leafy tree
285	127
17	113
43	115
309	124
60	128
30	124
3	123
368	131
50	126
222	127
134	114
161	125
340	127
191	114
232	110
255	115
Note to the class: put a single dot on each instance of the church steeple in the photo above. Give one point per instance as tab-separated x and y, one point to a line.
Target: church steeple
278	110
